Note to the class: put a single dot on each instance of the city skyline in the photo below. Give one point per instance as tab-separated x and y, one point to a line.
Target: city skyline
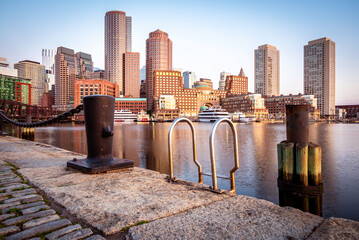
201	43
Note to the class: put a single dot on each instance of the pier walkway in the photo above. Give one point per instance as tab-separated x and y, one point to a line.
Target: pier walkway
135	204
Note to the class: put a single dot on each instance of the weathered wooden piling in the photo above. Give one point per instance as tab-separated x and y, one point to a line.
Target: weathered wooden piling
314	164
301	163
288	162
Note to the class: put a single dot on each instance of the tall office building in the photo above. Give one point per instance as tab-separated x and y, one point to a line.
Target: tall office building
115	46
36	72
189	78
222	81
236	85
319	73
48	60
158	57
128	34
266	62
143	73
65	75
84	65
131	83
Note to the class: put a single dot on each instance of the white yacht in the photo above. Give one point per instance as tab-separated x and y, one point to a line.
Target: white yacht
143	117
247	119
212	114
124	116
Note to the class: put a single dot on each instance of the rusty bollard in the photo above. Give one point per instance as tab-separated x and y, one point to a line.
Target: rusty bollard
99	124
1	127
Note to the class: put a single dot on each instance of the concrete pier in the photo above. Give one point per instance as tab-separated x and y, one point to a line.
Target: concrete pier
141	204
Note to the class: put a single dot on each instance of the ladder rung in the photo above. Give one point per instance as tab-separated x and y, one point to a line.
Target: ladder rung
218	176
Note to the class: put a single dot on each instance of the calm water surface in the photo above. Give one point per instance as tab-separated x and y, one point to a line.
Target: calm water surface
146	144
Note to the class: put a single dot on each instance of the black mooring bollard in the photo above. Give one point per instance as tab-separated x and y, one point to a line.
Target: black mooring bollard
2	127
99	121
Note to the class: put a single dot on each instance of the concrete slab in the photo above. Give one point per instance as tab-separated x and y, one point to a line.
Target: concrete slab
108	202
240	217
336	228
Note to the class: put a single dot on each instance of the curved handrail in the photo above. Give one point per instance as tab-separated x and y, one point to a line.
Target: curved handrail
213	157
182	119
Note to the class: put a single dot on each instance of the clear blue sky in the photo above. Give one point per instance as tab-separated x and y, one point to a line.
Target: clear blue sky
208	36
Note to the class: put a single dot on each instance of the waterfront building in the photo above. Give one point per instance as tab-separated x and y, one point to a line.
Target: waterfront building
188	101
131	69
84	65
222	81
135	105
251	104
266	62
236	85
88	87
189	78
15	89
115	46
158	57
203	82
5	68
319	73
65	75
36	72
276	105
128	34
352	111
167	102
47	99
97	74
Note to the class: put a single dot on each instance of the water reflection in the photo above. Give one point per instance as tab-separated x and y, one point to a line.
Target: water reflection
146	145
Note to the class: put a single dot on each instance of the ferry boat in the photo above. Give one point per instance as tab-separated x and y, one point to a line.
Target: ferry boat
247	119
212	114
143	117
124	116
236	116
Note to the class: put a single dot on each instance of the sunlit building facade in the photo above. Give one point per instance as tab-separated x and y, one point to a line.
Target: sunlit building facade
267	75
15	89
319	73
131	82
158	57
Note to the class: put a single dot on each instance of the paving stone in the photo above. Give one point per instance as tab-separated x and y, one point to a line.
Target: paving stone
9	230
2	198
24	192
6	205
25	199
95	237
27	217
336	228
8	184
79	234
34	209
35	238
12	180
23	206
47	227
6	216
8	177
9	188
40	221
61	232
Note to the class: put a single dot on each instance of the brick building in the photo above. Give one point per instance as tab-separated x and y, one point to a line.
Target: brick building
131	71
87	87
352	111
135	105
15	89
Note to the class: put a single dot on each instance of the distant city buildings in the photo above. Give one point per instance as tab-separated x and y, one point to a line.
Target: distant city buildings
5	68
319	73
131	82
36	72
88	87
158	57
143	73
267	75
236	85
84	65
222	81
48	60
15	89
204	83
135	105
97	74
189	78
128	34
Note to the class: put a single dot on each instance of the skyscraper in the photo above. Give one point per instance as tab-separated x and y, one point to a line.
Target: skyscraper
158	57
236	85
189	78
131	83
128	34
115	46
65	75
319	73
36	72
266	62
48	60
84	65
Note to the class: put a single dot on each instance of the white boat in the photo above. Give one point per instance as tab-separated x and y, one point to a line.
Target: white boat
247	119
124	116
236	116
212	114
143	117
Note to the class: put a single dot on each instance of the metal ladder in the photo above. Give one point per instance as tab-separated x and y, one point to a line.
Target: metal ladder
213	158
